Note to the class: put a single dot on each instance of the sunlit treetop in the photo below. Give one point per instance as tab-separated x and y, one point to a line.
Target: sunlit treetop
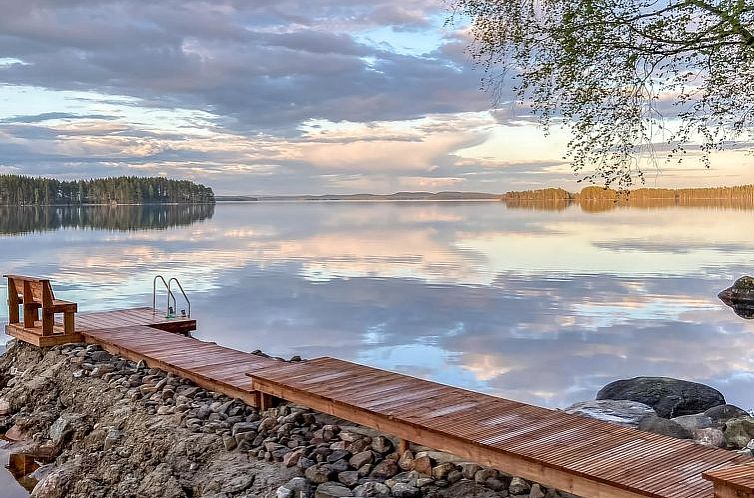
632	79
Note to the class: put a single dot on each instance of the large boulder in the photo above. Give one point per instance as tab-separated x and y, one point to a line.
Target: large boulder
722	413
694	422
738	432
659	425
621	412
669	397
740	297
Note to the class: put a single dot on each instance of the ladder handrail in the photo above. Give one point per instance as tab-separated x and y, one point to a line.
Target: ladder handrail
188	302
154	294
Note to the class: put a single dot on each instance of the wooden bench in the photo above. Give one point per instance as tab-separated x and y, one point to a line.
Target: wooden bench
35	294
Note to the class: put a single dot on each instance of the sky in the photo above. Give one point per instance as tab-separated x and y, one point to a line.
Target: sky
274	97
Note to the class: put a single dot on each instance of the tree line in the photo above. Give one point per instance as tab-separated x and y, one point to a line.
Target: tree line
595	198
22	190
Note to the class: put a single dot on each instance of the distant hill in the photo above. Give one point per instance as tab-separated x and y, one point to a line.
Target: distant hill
398	196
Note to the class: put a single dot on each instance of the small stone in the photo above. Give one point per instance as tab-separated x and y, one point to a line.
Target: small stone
229	443
454	476
518	486
381	444
404	490
406	461
469	469
361	459
349	478
536	491
319	473
338	455
481	476
423	465
442	470
372	489
291	459
385	469
331	490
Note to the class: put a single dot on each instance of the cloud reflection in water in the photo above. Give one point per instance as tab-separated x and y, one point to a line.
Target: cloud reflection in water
543	307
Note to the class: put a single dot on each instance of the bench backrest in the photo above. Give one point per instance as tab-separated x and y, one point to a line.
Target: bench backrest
30	290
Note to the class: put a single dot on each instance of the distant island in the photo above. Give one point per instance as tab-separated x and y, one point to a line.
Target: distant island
19	190
398	196
594	198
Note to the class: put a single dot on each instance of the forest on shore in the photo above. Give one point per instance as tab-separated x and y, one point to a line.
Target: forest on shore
19	190
594	198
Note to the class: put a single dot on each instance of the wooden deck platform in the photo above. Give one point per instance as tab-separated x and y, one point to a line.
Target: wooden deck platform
100	321
575	454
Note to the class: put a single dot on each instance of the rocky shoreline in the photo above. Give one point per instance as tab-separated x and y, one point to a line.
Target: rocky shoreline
103	426
674	408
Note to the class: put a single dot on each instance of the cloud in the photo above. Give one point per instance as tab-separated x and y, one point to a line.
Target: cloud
48	116
262	97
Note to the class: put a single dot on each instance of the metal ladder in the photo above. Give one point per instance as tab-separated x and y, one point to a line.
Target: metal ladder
170	311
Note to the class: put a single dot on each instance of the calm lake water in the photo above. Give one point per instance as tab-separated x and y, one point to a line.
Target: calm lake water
539	306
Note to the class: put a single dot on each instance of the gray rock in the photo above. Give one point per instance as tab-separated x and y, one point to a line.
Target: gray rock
66	425
319	473
485	475
349	478
659	425
536	491
519	486
372	489
694	422
381	444
740	297
469	489
469	469
738	432
404	490
332	490
101	356
361	459
294	487
669	397
622	412
722	413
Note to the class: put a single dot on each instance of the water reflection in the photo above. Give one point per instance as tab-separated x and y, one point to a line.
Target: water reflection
539	306
15	220
12	488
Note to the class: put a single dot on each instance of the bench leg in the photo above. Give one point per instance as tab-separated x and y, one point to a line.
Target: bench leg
31	315
69	325
13	316
48	322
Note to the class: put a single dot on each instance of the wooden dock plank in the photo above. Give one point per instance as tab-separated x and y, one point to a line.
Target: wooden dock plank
578	455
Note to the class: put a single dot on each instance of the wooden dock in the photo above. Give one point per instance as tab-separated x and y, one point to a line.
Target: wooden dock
578	455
